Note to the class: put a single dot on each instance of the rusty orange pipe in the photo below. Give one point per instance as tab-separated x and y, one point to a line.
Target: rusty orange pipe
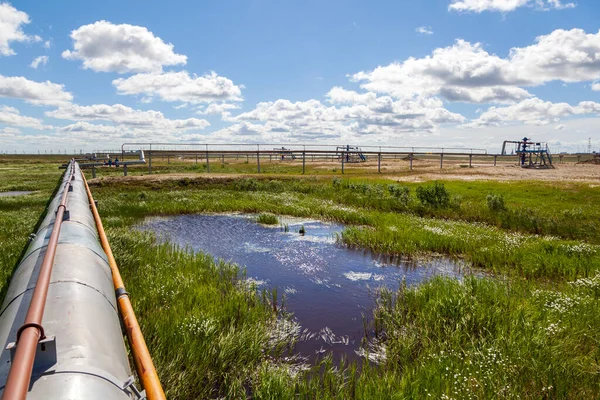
31	332
141	356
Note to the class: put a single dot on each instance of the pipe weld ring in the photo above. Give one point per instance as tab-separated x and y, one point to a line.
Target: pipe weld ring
120	292
31	325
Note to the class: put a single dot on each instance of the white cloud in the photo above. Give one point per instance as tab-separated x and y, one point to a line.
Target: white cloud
596	86
216	109
356	116
484	95
87	127
11	21
568	56
553	4
560	127
127	116
12	116
479	6
39	60
98	133
467	72
180	86
533	112
463	72
106	47
339	95
39	93
88	134
9	130
424	30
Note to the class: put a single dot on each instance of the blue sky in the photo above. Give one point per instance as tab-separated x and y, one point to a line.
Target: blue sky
418	73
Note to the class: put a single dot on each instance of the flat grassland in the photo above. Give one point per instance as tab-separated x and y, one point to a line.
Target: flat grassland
530	329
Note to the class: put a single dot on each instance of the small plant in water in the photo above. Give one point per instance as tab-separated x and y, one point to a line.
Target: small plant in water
302	231
267	219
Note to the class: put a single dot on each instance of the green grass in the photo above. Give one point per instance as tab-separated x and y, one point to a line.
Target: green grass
529	330
267	219
20	215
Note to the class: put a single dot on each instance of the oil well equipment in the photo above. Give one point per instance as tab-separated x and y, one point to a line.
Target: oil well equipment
529	153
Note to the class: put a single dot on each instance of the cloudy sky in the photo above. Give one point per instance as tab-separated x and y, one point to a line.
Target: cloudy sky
453	73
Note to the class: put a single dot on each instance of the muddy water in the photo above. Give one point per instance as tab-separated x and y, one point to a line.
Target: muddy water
328	287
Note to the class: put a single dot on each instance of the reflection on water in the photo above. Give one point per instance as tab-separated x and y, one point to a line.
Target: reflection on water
328	287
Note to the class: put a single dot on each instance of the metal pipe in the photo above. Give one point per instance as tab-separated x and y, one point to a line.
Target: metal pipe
141	356
303	162
31	332
426	149
207	162
258	157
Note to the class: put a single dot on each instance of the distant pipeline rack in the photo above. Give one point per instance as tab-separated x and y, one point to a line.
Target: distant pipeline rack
93	161
65	311
305	153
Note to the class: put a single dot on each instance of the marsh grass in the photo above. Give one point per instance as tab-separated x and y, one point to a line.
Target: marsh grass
21	215
531	330
267	219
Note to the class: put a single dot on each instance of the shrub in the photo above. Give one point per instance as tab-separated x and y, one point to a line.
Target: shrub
435	195
376	191
267	219
402	193
248	184
495	202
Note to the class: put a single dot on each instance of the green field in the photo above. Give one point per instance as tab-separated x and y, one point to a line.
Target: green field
530	329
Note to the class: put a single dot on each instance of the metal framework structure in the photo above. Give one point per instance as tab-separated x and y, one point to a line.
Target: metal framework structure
304	152
530	154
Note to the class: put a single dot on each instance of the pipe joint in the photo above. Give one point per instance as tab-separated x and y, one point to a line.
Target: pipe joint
120	292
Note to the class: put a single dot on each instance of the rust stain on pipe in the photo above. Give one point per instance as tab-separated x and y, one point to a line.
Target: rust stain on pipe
141	356
19	376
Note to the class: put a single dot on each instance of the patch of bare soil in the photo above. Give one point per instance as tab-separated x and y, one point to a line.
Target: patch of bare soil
502	172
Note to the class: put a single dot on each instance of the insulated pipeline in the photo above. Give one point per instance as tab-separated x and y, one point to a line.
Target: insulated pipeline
31	332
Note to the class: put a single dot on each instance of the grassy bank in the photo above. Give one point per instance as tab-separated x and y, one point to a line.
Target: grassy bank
529	332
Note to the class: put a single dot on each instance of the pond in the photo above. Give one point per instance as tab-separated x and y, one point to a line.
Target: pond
328	287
